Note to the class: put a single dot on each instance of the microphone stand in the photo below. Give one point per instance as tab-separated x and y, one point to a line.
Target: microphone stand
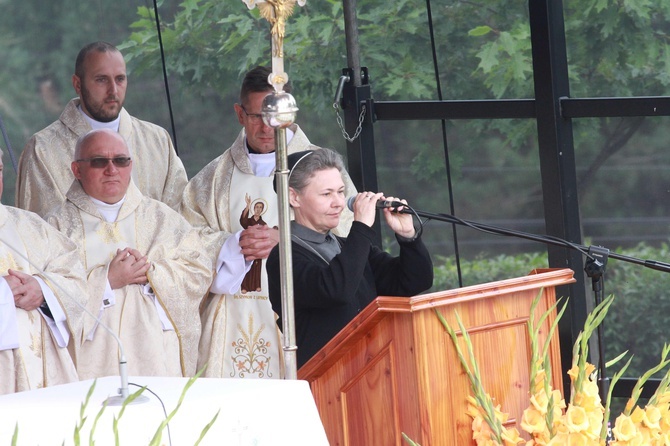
595	268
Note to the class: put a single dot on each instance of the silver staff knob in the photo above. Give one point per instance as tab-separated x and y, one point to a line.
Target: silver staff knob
279	110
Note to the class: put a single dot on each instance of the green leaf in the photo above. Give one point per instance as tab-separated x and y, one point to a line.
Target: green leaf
480	31
488	57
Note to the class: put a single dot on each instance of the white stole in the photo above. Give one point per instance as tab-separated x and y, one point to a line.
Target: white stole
254	350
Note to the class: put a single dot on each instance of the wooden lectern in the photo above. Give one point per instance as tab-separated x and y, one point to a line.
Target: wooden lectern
394	369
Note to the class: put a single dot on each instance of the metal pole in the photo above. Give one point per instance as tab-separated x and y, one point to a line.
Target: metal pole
285	257
351	40
279	111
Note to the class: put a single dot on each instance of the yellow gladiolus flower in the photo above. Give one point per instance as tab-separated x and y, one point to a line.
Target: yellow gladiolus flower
540	401
624	428
637	416
533	421
589	369
577	439
576	419
652	417
510	437
573	372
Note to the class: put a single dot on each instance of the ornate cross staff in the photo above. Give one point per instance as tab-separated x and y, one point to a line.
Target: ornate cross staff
276	12
279	110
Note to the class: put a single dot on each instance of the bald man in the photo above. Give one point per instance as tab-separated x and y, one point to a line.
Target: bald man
146	270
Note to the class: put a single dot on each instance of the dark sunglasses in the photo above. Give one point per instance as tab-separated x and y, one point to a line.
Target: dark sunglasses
101	163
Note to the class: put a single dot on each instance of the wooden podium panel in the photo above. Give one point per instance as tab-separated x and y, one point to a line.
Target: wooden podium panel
394	369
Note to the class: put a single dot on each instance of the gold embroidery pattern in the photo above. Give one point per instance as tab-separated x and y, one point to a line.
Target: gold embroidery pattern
7	262
109	233
251	352
36	343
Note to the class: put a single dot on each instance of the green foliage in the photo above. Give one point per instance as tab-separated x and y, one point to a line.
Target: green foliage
156	440
115	422
485	269
483	51
483	401
82	416
641	296
409	440
640	308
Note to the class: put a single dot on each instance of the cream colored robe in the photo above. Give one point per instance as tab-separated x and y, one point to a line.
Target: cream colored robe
44	175
179	276
239	338
39	361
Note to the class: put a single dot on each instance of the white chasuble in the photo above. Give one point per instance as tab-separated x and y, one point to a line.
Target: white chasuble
38	361
245	341
131	314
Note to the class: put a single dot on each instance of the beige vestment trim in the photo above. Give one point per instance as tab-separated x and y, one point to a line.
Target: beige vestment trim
44	175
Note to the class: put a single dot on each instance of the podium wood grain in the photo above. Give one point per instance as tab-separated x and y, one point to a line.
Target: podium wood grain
394	369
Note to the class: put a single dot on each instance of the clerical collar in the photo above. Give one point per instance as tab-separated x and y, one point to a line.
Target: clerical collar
326	245
262	164
252	151
96	125
108	211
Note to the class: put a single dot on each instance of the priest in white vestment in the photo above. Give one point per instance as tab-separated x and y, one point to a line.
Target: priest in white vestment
42	296
100	81
239	337
147	271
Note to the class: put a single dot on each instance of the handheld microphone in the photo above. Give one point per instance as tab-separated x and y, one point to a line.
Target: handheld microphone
381	204
123	392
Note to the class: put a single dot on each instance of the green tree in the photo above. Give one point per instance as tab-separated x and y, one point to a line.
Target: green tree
483	51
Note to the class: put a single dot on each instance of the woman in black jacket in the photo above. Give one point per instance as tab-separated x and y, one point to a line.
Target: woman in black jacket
334	278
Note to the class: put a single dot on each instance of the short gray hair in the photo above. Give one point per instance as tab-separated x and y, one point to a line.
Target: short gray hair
311	163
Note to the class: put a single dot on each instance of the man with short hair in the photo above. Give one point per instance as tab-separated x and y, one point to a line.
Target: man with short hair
100	81
146	272
239	337
42	294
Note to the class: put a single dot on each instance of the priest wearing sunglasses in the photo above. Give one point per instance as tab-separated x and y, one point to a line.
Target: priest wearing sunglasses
145	266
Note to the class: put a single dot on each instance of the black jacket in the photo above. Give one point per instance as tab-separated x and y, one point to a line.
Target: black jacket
328	296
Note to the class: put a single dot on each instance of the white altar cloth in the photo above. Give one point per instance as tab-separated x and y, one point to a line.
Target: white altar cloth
252	413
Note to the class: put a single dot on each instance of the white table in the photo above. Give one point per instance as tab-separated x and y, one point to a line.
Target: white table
252	412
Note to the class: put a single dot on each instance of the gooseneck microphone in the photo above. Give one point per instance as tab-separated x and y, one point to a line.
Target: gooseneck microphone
381	204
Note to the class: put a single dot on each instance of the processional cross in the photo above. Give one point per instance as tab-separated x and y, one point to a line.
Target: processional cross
276	12
279	110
